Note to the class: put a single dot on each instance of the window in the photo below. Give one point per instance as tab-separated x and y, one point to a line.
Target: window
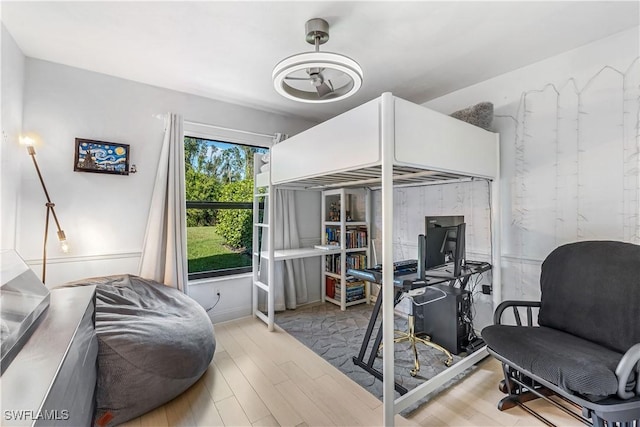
219	193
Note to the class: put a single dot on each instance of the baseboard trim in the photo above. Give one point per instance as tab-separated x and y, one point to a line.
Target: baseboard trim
522	259
230	314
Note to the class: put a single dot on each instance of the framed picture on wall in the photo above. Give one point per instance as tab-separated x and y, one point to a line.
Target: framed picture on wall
101	157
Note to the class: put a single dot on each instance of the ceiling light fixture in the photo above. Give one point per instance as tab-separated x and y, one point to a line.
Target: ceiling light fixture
317	77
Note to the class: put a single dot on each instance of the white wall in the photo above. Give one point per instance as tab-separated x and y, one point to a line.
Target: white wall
235	296
12	100
569	153
104	216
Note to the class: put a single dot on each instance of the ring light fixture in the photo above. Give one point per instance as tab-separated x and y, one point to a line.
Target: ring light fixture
317	77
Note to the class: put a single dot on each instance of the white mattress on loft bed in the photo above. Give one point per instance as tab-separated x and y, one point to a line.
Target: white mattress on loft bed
346	150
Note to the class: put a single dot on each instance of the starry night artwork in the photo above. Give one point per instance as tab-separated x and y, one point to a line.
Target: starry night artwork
101	157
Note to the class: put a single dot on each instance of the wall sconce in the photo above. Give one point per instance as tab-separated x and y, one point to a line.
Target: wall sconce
64	245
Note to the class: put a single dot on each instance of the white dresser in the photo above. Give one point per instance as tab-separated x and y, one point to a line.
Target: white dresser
52	380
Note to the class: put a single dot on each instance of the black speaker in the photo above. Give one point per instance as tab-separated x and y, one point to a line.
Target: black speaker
445	321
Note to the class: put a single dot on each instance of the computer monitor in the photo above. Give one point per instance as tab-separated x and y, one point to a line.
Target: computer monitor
445	242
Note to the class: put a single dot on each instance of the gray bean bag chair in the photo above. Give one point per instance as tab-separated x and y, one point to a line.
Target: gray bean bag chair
154	343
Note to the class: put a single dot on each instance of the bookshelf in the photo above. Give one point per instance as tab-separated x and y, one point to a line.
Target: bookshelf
345	226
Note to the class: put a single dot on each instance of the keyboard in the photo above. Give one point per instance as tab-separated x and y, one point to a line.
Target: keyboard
405	266
407	263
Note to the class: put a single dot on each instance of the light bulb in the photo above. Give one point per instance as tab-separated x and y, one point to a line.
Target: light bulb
64	244
27	141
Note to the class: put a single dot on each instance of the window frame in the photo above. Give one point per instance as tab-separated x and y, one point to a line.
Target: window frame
231	136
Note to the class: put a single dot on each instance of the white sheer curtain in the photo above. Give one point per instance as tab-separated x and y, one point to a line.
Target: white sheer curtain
290	283
164	252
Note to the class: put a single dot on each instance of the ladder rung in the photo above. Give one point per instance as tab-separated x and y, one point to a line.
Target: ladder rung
260	224
261	285
263	254
260	315
261	194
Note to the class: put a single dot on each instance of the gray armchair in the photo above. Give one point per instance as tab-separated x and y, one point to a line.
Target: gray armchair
585	346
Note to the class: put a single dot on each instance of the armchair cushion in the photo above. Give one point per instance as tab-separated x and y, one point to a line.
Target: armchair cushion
589	289
570	362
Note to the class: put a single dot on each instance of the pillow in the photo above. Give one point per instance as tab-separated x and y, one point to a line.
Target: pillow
480	115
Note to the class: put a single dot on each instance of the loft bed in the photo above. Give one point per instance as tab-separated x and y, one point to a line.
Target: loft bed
383	143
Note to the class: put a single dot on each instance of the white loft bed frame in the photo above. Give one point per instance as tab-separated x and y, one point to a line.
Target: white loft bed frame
385	142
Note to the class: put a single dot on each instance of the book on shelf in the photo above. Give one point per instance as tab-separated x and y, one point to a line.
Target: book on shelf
353	261
350	292
354	285
356	238
356	261
332	235
330	287
350	297
332	263
351	288
355	293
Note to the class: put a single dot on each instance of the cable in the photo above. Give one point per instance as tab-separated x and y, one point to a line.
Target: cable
411	297
214	305
467	318
469	313
472	310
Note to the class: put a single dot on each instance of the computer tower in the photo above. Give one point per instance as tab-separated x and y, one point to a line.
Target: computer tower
446	320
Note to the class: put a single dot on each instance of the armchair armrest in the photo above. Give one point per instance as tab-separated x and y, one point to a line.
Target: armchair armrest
628	363
497	315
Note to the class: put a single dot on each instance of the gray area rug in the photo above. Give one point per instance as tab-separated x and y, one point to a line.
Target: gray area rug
337	335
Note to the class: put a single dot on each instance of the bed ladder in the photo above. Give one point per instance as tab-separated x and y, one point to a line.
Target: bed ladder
265	257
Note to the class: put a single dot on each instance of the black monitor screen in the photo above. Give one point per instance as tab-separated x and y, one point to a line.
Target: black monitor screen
445	242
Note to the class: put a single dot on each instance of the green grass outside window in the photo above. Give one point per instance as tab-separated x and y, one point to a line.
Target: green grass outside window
206	251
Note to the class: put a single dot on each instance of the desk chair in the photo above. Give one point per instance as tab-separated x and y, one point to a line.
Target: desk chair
413	338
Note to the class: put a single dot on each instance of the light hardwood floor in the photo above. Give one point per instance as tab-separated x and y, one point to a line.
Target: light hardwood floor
261	378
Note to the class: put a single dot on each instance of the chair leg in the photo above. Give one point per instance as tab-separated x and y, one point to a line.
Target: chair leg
504	386
516	394
412	335
413	339
448	361
514	400
597	421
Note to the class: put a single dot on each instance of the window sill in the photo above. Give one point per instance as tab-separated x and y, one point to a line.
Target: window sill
208	280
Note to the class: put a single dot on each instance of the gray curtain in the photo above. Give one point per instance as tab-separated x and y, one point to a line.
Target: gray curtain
290	277
164	251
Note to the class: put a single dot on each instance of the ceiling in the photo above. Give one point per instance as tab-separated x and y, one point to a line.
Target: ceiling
227	50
